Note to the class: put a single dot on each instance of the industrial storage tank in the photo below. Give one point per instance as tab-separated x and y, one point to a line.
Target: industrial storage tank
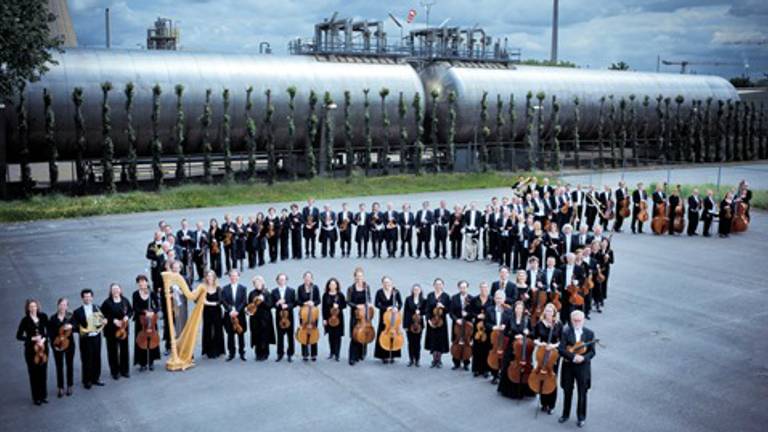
198	71
470	81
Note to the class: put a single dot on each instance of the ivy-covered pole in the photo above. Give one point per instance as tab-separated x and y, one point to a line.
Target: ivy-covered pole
529	131
512	163
269	111
729	127
737	131
633	130
312	121
612	130
80	142
679	135
367	131
500	153
130	134
748	130
226	141
451	129
701	132
601	132
763	133
22	116
50	139
646	125
180	137
754	132
485	132
328	126
250	133
623	135
108	147
402	110
540	96
205	123
722	133
157	146
707	127
384	154
348	133
662	125
434	93
670	126
691	133
292	130
576	137
418	114
555	134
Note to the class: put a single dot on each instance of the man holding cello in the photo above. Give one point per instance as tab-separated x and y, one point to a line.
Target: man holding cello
577	348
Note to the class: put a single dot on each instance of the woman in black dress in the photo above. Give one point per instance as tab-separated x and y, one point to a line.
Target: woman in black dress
518	325
604	259
358	295
387	297
546	336
334	304
552	242
213	330
117	311
437	336
413	312
144	304
62	319
34	332
260	323
241	234
726	215
480	348
260	239
216	237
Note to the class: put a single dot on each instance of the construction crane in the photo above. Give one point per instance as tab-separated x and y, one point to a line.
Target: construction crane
685	63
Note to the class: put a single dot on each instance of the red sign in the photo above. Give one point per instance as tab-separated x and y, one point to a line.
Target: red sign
411	16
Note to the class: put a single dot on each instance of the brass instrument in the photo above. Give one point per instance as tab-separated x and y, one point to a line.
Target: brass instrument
95	323
598	205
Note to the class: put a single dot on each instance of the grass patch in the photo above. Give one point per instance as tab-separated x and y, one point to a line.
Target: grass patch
57	206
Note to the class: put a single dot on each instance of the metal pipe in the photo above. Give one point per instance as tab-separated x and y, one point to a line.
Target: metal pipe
555	17
107	29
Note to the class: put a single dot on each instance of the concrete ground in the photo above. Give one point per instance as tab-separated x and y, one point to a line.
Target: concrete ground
684	331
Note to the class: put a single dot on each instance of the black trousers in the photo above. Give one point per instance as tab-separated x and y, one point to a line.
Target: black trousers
281	336
64	359
296	243
346	241
491	244
199	258
377	237
441	236
334	340
521	256
215	264
707	226
309	350
423	237
456	247
504	251
591	214
637	225
328	242
569	376
272	242
117	355
38	377
406	239
618	222
693	223
362	238
480	356
549	400
90	358
309	243
284	240
261	350
229	257
231	340
414	346
391	237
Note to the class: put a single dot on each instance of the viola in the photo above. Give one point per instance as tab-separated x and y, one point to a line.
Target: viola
391	338
148	338
285	320
580	348
480	334
61	341
307	333
587	286
41	354
253	306
236	326
520	368
437	319
416	325
461	348
363	332
642	215
122	330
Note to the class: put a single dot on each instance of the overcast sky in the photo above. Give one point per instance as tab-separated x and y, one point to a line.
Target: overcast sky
593	33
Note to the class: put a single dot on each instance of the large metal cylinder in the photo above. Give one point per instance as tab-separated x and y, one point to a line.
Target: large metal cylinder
588	85
88	68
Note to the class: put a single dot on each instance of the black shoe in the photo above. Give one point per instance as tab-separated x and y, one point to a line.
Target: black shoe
337	358
410	363
562	419
37	402
455	367
495	380
87	386
151	367
99	383
290	360
330	356
486	375
580	423
417	364
142	368
304	359
280	357
115	377
60	393
242	357
351	363
314	359
69	391
125	375
439	365
550	411
433	365
466	367
230	357
44	401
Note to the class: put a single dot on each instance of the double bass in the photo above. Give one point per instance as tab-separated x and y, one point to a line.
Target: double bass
642	215
678	223
624	208
307	333
391	338
520	368
740	223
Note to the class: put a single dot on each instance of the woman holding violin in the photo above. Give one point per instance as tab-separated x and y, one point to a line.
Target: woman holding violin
546	336
604	258
358	296
437	328
387	299
213	326
63	345
482	341
259	311
216	236
726	215
516	327
334	304
413	323
117	311
146	348
33	331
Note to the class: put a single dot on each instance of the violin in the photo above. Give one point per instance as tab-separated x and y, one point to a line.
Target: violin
148	338
391	338
307	333
215	247
587	286
122	330
574	298
642	215
61	341
363	332
437	319
624	208
535	244
740	223
416	325
461	348
41	353
543	379
519	369
236	324
580	348
285	320
334	320
600	275
480	334
253	306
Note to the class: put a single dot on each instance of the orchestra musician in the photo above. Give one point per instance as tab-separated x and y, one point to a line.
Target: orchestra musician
576	367
308	294
437	327
228	235
658	197
515	325
296	224
260	322
413	323
257	239
477	310
362	233
200	249
621	193
88	320
605	199
572	273
455	234
117	311
506	233
184	238
472	223
591	209
391	218
328	234
674	200
216	238
546	336
726	215
284	234
496	317
441	220
64	357
284	300
144	304
271	230
638	195
33	331
460	312
334	304
709	212
309	229
376	228
406	221
233	301
344	222
504	285
240	241
694	208
424	220
387	298
744	194
604	259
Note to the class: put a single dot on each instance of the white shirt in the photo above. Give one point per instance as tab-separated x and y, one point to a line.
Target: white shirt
568	274
197	241
281	291
577	332
567	243
550	273
424	216
234	294
472	218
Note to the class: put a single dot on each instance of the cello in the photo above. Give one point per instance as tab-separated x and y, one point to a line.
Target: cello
642	215
461	348
148	338
624	208
520	368
678	223
740	223
543	378
496	352
363	332
391	338
307	333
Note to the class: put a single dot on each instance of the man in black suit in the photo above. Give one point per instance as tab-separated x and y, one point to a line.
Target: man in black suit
472	223
551	276
376	227
571	274
284	299
272	224
694	207
638	195
345	235
362	234
621	193
90	341
459	311
504	285
228	228
709	212
200	249
576	367
310	229
390	232
424	220
233	299
184	241
406	222
442	219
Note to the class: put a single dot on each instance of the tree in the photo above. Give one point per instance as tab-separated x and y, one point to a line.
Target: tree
130	133
668	128
540	96
80	142
157	146
205	123
329	153
251	133
485	132
225	138
529	131
26	172
729	127
620	66
435	94
384	158
555	134
27	47
402	110
312	121
292	130
367	131
662	126
701	132
500	153
763	133
623	135
348	134
576	137
737	131
269	111
50	138
180	136
451	129
108	146
418	114
512	132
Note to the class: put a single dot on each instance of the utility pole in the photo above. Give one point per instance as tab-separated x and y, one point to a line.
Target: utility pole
427	4
555	13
